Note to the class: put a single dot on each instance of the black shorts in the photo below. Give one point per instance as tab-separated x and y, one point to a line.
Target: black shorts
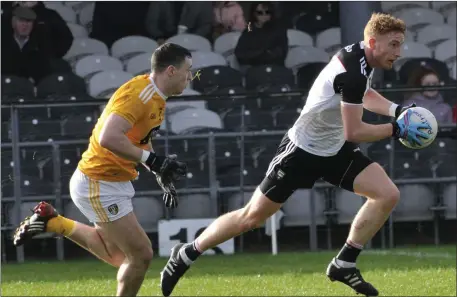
293	168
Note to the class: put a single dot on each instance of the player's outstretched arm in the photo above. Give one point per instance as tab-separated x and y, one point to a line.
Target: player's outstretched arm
355	130
375	102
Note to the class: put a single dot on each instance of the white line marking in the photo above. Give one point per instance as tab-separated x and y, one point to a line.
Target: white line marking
410	254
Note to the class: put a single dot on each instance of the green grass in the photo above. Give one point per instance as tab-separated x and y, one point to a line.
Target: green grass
431	273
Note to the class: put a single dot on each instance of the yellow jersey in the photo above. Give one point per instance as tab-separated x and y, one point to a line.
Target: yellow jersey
141	103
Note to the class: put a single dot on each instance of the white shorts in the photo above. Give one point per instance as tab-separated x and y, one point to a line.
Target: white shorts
101	201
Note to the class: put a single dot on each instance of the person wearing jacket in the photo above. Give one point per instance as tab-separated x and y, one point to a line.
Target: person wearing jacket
265	40
24	52
50	25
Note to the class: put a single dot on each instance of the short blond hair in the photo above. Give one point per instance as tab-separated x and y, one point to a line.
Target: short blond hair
381	24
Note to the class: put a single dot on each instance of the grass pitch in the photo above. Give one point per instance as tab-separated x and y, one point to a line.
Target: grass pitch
400	272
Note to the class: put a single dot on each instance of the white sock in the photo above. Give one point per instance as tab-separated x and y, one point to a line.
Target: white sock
343	264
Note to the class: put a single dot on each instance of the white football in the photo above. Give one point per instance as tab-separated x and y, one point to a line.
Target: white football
421	115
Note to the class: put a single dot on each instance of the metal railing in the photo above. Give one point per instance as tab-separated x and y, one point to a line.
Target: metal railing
213	190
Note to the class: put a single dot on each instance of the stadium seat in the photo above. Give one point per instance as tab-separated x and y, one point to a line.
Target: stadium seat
412	50
412	64
299	38
297	209
86	15
443	6
7	174
397	6
268	75
414	204
226	43
15	86
192	42
78	6
82	47
34	186
52	4
78	31
195	206
445	51
189	119
449	200
72	212
454	70
60	66
227	152
130	46
307	74
34	129
416	18
217	77
451	18
78	126
139	64
56	85
347	205
229	91
433	35
201	59
104	83
148	210
67	14
91	65
237	200
300	56
314	23
189	92
329	40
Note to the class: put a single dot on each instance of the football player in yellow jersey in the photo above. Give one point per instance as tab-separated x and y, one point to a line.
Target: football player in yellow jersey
100	186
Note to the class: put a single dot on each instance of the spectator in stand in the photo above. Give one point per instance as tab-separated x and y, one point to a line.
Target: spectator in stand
50	25
24	52
160	21
228	16
265	39
432	100
197	18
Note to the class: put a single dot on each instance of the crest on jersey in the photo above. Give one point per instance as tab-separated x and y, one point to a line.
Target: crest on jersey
113	209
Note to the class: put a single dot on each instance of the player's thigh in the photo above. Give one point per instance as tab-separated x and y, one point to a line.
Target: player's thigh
373	182
291	168
127	234
113	250
101	201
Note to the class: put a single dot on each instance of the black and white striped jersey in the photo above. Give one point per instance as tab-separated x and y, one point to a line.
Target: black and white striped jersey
345	80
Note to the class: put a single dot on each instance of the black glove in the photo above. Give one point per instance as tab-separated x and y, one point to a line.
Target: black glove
167	170
400	109
170	197
168	167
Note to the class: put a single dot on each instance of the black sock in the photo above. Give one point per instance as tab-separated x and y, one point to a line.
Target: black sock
191	251
348	253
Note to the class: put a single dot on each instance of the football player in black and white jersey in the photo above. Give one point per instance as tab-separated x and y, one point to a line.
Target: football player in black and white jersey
322	144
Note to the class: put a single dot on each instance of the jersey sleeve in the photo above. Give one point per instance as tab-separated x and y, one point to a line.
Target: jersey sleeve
351	87
128	106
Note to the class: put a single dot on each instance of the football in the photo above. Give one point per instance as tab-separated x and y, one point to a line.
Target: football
422	115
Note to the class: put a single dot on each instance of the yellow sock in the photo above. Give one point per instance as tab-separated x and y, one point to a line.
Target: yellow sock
61	225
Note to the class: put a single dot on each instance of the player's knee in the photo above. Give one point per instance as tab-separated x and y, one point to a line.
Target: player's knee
141	255
251	218
390	197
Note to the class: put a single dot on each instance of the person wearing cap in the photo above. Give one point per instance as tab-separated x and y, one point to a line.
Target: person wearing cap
25	53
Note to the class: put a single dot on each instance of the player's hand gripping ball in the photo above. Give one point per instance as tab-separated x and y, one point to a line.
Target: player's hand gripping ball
417	121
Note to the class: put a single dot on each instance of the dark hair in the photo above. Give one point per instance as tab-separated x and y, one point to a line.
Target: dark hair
254	5
415	79
418	74
168	54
